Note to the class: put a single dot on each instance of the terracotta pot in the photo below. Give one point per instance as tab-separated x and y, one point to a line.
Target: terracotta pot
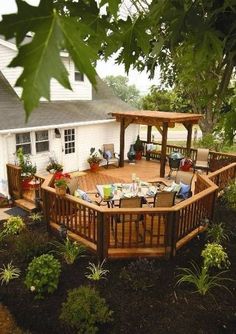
94	167
138	155
25	183
60	191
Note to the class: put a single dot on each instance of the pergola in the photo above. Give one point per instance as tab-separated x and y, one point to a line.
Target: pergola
162	121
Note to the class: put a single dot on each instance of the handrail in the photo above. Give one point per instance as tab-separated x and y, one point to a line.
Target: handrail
161	228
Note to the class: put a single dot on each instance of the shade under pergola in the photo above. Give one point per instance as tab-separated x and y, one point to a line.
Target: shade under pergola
162	121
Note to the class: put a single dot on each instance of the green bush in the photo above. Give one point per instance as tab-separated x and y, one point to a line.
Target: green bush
216	233
215	256
13	225
139	274
84	310
43	275
208	141
8	273
30	244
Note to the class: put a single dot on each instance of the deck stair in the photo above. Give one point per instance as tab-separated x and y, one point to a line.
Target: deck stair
25	204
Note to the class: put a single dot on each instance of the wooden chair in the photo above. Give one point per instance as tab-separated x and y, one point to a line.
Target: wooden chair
186	178
164	199
202	160
73	185
109	155
128	219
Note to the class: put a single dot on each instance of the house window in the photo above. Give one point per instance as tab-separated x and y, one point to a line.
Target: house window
69	141
78	76
23	140
41	141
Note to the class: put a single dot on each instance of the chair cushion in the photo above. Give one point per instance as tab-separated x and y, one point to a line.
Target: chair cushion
83	195
176	187
107	155
184	191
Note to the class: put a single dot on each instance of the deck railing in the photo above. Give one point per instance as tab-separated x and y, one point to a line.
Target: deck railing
124	232
14	181
217	160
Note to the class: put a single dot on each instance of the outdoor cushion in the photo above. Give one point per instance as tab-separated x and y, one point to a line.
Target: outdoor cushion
184	191
83	195
176	187
107	155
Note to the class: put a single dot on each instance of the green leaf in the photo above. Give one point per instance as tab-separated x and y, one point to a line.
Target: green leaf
41	61
83	55
113	6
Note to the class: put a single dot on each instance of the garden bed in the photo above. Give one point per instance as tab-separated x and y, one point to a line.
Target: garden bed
162	307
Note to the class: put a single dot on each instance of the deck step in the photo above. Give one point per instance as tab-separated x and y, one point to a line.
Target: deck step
24	204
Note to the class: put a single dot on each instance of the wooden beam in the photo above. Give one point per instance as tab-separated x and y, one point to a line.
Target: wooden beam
189	138
149	139
159	129
163	149
122	142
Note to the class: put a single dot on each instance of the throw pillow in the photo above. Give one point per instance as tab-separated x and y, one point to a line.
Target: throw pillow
83	195
107	155
176	187
184	191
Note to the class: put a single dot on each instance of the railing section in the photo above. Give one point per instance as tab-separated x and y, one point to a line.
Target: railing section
223	176
14	181
217	160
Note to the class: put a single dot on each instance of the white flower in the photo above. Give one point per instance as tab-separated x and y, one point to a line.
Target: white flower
32	288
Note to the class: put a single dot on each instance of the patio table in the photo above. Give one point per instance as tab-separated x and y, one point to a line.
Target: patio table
125	190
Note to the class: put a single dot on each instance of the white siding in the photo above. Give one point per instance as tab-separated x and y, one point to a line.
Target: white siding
80	90
97	135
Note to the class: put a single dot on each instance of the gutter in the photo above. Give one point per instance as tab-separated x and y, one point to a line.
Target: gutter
49	127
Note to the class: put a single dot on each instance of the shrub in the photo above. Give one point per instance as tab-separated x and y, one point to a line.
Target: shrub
84	310
13	225
139	274
30	244
35	217
216	233
200	278
96	272
69	250
43	275
215	256
8	273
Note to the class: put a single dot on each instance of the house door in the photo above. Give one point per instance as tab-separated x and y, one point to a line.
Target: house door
70	162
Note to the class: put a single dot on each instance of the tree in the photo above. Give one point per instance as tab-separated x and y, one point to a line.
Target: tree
192	41
121	88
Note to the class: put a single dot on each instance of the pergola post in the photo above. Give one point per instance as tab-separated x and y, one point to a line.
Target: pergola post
189	138
149	137
163	149
122	142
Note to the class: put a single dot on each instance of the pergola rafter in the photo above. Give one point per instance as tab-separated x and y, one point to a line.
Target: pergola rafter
162	121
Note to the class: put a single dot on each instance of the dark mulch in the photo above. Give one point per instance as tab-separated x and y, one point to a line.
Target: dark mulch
163	308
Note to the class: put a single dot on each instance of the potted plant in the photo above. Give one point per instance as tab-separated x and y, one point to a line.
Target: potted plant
53	166
138	147
27	168
94	159
60	183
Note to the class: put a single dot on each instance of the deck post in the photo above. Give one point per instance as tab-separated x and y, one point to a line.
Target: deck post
163	149
149	138
100	236
170	232
46	204
122	142
189	139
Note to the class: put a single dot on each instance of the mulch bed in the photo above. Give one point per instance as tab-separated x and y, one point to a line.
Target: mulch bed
162	308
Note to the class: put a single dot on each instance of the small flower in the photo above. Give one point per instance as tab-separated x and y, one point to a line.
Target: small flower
32	288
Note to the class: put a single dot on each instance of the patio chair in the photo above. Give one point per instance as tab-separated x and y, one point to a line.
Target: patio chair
109	155
184	178
127	219
164	199
202	160
73	185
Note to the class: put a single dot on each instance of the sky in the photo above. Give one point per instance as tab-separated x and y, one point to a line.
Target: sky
140	80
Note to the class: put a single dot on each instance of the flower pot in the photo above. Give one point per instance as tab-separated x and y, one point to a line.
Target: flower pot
25	183
94	167
60	191
138	155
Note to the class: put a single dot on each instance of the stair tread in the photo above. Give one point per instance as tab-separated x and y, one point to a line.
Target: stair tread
24	204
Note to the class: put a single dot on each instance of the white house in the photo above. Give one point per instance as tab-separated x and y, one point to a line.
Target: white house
66	128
